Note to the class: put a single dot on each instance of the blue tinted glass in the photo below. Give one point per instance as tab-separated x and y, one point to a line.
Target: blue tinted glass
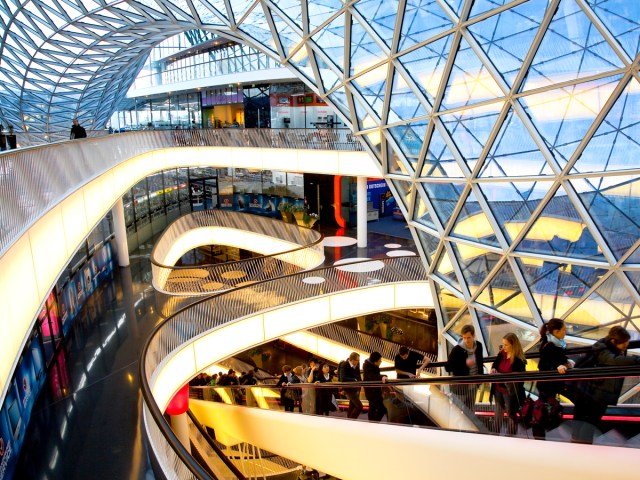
321	10
329	78
513	203
409	138
288	37
339	99
481	6
439	161
615	145
422	20
371	86
403	104
469	80
240	7
444	197
365	120
404	190
428	241
426	65
256	25
331	40
612	203
560	230
470	129
293	10
507	37
571	48
364	51
622	18
445	270
514	153
381	15
301	61
563	116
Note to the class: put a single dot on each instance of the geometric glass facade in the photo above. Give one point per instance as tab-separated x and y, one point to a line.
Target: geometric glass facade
508	131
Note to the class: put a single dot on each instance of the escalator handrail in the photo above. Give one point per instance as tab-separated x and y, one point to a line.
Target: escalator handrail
215	447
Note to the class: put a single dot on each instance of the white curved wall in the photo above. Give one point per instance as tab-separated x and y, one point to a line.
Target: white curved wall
33	263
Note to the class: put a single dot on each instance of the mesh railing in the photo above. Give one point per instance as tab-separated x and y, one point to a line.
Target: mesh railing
203	279
225	308
33	180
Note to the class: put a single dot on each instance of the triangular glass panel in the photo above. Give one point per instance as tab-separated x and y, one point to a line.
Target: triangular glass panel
288	37
256	26
423	19
514	153
319	12
404	189
472	223
559	230
449	302
409	138
615	145
374	140
339	100
365	120
300	60
610	203
395	164
571	48
456	6
503	294
455	330
439	161
240	7
426	65
475	263
421	214
429	244
470	129
209	15
635	279
329	78
555	287
293	10
403	104
621	19
507	37
494	328
481	6
634	258
331	40
602	307
372	86
444	197
445	270
513	203
365	52
563	116
381	15
469	80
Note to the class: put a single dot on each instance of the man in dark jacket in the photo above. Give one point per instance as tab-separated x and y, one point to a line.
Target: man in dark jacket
593	396
349	371
371	373
465	359
77	131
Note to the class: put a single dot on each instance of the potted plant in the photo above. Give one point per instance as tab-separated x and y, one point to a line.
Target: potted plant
285	209
304	218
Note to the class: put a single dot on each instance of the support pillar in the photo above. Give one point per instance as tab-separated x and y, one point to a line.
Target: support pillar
361	201
180	427
120	228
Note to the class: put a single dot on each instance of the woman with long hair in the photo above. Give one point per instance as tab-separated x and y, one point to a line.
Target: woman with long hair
553	356
508	396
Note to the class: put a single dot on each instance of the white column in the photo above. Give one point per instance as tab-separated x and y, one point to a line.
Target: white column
361	200
121	233
180	427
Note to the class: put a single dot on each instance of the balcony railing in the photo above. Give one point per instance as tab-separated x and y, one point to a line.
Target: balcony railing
34	179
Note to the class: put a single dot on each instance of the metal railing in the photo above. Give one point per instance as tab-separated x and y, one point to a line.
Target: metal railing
225	308
34	179
206	279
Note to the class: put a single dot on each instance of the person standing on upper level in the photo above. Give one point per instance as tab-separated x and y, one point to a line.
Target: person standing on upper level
77	131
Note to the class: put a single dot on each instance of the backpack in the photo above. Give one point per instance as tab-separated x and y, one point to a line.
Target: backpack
543	413
588	360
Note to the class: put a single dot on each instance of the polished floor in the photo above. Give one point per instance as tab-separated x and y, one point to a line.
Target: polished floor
93	430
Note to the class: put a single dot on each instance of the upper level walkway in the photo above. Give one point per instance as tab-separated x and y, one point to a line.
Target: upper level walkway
51	197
